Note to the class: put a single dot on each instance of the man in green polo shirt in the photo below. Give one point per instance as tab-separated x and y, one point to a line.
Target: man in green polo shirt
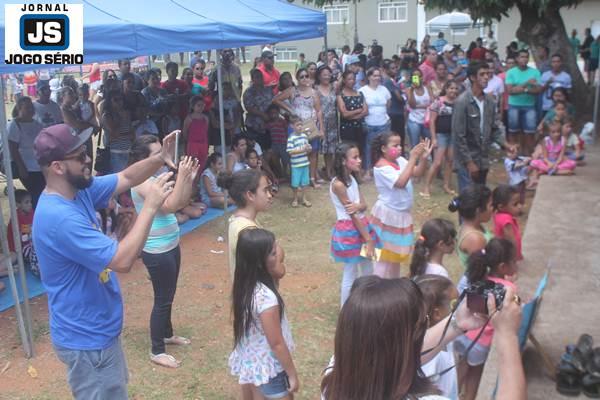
523	87
575	43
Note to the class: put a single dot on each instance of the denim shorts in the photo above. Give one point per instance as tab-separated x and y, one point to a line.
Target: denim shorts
300	177
444	140
522	118
477	355
276	388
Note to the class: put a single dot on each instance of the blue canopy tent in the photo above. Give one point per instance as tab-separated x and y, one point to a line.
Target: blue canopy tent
116	29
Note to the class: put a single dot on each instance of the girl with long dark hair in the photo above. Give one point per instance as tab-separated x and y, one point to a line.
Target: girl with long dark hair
382	331
262	336
351	231
437	239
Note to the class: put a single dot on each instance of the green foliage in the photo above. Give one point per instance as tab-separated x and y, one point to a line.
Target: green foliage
489	10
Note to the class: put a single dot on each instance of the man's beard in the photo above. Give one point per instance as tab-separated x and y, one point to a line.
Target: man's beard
80	182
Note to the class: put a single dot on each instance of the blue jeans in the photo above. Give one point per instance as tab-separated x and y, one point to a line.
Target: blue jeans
416	132
96	374
372	133
465	180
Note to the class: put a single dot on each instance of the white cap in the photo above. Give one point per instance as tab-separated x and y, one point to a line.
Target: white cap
447	47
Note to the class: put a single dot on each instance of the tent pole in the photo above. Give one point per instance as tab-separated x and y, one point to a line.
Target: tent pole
596	105
24	321
221	118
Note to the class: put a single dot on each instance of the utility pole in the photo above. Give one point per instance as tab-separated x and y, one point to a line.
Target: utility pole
355	3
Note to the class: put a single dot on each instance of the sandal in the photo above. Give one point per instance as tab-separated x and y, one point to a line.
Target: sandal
320	181
164	360
583	352
306	203
179	340
295	204
591	386
425	195
449	191
314	184
568	378
593	363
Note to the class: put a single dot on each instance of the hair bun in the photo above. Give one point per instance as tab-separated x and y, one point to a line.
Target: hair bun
454	205
225	180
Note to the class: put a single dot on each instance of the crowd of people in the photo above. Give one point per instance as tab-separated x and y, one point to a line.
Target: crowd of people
160	161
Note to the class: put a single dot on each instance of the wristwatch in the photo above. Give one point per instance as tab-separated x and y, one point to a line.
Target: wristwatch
454	324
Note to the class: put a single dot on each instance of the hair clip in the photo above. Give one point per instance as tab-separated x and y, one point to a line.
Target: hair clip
483	251
422	238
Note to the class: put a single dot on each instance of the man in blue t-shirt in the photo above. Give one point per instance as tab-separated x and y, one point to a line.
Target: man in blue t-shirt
553	79
77	261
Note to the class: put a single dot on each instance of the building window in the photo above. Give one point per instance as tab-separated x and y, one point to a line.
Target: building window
393	11
337	14
286	54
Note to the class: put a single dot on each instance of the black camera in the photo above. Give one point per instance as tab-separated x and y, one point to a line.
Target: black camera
477	295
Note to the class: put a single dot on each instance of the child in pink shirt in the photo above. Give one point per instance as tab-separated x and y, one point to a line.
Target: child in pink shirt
507	207
497	262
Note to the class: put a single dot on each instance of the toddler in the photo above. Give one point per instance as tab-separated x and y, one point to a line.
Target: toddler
298	148
553	159
517	170
507	207
210	193
575	145
25	221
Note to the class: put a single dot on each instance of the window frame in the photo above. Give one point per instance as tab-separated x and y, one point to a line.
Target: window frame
390	5
337	7
292	50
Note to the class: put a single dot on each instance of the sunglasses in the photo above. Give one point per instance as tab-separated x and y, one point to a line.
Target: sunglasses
302	76
81	156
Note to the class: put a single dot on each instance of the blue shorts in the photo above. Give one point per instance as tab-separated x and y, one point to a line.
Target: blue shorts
300	176
477	355
444	140
315	144
522	118
276	388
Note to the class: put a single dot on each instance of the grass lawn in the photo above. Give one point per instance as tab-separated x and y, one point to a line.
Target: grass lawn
202	311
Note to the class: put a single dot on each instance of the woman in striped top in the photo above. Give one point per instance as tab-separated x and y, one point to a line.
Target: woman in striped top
161	254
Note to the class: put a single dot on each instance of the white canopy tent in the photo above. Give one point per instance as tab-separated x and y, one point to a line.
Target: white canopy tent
454	21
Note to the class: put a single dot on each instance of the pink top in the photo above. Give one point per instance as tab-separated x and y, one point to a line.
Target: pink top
501	219
554	149
428	72
198	131
488	331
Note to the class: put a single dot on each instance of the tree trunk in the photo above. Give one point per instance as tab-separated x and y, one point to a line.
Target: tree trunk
547	29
